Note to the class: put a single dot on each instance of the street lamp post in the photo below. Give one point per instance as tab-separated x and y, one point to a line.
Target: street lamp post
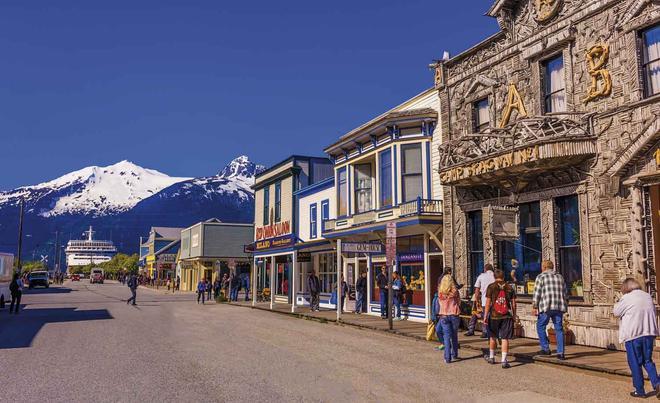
20	236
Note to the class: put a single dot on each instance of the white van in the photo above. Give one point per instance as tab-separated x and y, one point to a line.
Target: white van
6	272
96	276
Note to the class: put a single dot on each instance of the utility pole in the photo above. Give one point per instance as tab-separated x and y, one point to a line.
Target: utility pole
57	247
20	236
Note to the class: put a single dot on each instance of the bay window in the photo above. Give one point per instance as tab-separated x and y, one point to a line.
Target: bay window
386	178
651	60
554	87
362	188
342	193
411	171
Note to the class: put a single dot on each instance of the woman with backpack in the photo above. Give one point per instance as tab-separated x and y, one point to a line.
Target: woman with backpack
16	290
449	300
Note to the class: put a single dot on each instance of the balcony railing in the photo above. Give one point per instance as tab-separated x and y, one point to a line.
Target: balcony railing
418	207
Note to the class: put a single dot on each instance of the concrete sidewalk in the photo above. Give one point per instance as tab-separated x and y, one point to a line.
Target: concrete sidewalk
523	349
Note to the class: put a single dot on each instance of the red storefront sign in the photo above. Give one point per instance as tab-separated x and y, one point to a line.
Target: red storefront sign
273	230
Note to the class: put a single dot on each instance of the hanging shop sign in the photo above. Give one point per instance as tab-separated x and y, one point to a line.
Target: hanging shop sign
411	257
167	257
507	160
504	223
273	230
303	257
390	250
279	242
362	247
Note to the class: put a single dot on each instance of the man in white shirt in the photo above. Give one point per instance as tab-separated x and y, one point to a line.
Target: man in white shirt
480	286
638	330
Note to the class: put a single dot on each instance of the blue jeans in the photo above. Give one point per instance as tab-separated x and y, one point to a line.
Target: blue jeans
359	303
234	294
396	301
557	321
450	325
639	352
383	302
439	332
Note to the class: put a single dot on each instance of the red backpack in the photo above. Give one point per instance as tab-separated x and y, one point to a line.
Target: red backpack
501	305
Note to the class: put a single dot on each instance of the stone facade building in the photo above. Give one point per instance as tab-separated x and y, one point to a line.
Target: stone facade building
550	151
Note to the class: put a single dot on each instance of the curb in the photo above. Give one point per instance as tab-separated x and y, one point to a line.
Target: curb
529	358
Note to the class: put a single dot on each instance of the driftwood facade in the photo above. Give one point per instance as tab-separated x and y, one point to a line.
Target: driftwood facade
557	116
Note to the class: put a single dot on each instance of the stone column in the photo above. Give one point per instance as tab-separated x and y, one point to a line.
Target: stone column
547	230
489	242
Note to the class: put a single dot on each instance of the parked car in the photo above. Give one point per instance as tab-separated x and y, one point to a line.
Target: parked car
38	278
96	276
75	277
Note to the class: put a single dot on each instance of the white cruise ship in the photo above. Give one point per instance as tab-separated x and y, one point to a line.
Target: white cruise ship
81	252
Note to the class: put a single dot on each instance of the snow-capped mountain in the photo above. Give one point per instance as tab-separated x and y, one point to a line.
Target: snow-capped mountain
96	191
122	201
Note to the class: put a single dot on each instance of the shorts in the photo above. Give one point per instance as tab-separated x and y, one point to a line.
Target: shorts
501	328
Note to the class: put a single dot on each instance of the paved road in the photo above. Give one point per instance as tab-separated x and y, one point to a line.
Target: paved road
81	342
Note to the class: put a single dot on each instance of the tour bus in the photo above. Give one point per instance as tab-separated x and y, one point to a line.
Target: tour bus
6	271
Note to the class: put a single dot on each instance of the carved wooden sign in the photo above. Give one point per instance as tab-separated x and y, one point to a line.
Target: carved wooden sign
439	76
601	81
547	9
492	164
504	223
513	101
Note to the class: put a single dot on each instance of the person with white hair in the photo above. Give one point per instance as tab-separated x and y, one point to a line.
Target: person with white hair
638	330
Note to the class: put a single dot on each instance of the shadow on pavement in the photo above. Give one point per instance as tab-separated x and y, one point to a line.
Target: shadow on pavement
51	290
18	331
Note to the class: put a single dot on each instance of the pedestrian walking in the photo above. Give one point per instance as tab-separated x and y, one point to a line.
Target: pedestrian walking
360	293
637	331
246	286
225	286
397	284
178	282
132	285
449	300
16	291
549	303
435	314
235	284
216	288
314	287
209	289
169	284
484	280
499	314
201	290
381	280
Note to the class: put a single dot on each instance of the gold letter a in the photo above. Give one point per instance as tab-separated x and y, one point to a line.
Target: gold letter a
513	101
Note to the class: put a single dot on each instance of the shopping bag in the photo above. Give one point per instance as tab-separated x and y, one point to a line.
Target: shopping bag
430	332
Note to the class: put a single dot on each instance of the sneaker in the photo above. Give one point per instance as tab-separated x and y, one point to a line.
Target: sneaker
506	365
489	359
657	391
468	334
447	361
439	347
635	394
543	352
561	357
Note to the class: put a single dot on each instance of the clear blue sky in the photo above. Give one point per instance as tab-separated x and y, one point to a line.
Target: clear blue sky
185	86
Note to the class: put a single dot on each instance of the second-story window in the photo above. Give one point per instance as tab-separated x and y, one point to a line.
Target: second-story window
342	193
386	178
312	221
278	201
651	60
554	86
362	188
266	212
481	115
411	171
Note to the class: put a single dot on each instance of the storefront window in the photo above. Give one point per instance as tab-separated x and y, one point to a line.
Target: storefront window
342	193
410	260
570	255
362	188
386	178
475	245
521	260
327	271
263	274
411	171
282	264
554	88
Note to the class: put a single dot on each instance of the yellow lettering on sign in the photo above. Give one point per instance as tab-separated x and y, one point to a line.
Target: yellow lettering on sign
656	154
513	101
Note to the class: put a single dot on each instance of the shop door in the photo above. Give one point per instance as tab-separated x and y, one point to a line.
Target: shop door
654	193
435	271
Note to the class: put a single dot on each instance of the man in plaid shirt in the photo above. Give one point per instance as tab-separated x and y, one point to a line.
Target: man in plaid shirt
550	302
